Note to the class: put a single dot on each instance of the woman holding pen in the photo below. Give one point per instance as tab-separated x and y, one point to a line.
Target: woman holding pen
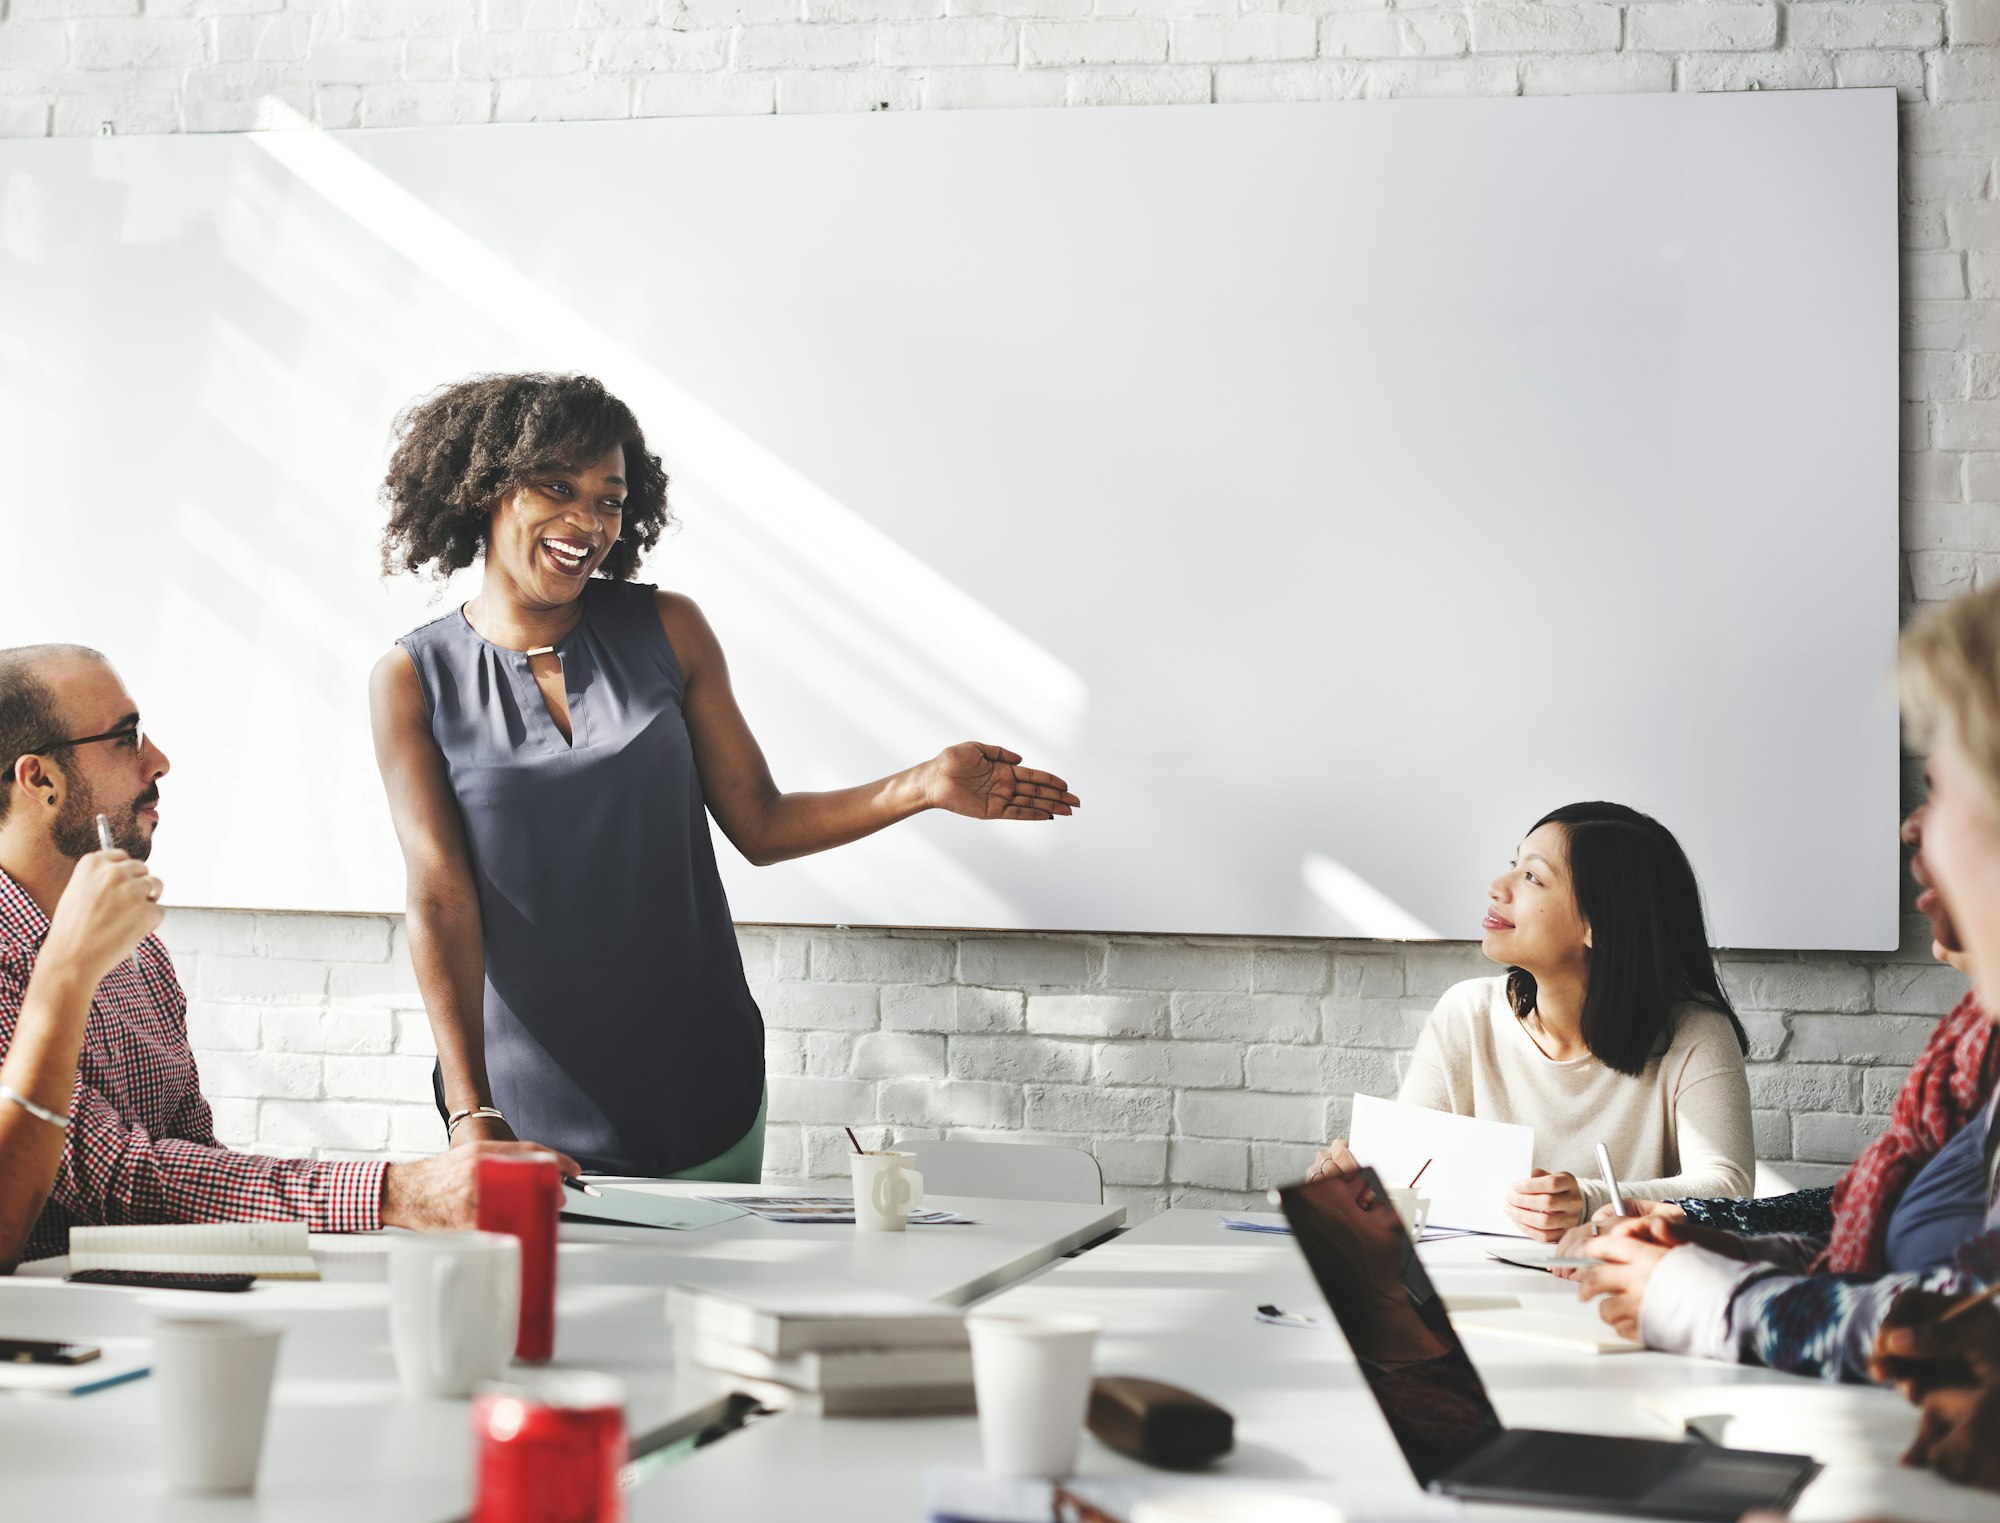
1692	1290
1609	1026
552	751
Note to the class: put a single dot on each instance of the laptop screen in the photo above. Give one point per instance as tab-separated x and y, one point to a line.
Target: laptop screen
1393	1317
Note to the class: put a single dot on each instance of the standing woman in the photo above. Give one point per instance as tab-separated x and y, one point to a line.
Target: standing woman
550	750
1609	1025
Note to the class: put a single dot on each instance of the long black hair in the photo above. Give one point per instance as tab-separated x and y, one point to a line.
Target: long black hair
1649	942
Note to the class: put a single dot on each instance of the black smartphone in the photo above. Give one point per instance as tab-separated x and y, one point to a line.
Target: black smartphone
34	1351
161	1279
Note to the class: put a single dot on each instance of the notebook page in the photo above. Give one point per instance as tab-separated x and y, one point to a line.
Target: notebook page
273	1250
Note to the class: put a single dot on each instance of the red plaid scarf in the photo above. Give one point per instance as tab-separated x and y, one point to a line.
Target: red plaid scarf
1948	1087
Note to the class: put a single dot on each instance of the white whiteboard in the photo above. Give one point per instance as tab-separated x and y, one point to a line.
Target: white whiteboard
1326	490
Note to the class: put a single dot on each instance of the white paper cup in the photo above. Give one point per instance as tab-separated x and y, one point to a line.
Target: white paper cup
213	1379
454	1309
1412	1209
886	1190
1032	1378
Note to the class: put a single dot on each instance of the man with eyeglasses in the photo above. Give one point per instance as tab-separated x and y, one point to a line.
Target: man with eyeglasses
101	1114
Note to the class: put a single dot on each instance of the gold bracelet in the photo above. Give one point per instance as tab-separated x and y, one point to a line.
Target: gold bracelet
42	1112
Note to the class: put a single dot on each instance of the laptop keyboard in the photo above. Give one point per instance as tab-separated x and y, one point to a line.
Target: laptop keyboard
1577	1464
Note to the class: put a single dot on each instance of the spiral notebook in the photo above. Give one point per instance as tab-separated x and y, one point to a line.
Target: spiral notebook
269	1250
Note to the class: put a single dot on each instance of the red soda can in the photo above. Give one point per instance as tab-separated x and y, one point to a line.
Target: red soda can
522	1196
550	1449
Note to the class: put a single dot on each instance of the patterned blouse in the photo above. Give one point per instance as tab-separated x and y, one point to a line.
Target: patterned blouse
1773	1312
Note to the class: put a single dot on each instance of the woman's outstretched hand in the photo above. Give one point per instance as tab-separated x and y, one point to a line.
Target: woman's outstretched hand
989	783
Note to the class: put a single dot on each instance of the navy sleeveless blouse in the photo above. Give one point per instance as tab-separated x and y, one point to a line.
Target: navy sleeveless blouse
619	1027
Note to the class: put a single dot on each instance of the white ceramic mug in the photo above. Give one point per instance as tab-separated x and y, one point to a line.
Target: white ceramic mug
1032	1379
1412	1209
886	1190
454	1306
213	1381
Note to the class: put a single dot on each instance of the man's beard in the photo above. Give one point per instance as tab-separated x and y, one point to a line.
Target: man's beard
76	824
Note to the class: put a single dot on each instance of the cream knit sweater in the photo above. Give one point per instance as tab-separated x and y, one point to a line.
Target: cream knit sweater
1680	1128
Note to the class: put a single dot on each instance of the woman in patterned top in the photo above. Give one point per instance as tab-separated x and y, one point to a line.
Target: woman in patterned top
1681	1289
1878	1218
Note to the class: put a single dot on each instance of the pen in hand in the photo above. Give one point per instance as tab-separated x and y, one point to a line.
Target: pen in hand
1619	1206
105	843
1990	1293
574	1183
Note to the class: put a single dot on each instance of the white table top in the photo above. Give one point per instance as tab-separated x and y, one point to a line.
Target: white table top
1176	1297
342	1441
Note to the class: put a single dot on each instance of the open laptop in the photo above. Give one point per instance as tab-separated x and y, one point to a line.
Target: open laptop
1438	1408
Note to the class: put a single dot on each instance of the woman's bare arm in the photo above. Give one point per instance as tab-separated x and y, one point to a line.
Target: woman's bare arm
769	825
447	945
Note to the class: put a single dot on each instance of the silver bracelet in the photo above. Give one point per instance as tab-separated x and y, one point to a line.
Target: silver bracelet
484	1112
40	1112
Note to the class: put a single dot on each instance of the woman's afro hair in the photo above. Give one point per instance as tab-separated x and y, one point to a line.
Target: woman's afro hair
463	446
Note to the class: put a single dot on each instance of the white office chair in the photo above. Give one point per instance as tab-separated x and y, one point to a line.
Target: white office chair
1007	1170
1781	1176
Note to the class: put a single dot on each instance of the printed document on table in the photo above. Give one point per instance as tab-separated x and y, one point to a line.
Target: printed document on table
1471	1162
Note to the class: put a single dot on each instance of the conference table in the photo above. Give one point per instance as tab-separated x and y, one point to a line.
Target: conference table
1176	1296
342	1442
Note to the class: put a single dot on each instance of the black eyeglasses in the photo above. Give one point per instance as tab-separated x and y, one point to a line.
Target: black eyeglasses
134	734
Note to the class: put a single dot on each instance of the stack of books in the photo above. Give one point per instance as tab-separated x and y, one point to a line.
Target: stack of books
829	1352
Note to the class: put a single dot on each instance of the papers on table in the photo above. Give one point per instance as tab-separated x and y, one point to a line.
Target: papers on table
1273	1223
1579	1330
1471	1162
1526	1254
833	1210
1257	1221
642	1208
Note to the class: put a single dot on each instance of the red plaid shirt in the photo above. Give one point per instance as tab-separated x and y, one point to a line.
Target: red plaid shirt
141	1144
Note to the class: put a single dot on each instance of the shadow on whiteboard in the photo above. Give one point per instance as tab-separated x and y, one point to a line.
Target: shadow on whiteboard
833	596
1358	907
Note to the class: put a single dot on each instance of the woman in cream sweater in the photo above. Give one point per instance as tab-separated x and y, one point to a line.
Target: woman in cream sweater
1609	1025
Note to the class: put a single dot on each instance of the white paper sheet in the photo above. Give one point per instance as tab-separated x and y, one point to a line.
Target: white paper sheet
1471	1162
642	1208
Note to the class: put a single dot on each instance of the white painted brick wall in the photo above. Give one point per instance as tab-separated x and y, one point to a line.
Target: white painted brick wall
1197	1072
1195	1095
